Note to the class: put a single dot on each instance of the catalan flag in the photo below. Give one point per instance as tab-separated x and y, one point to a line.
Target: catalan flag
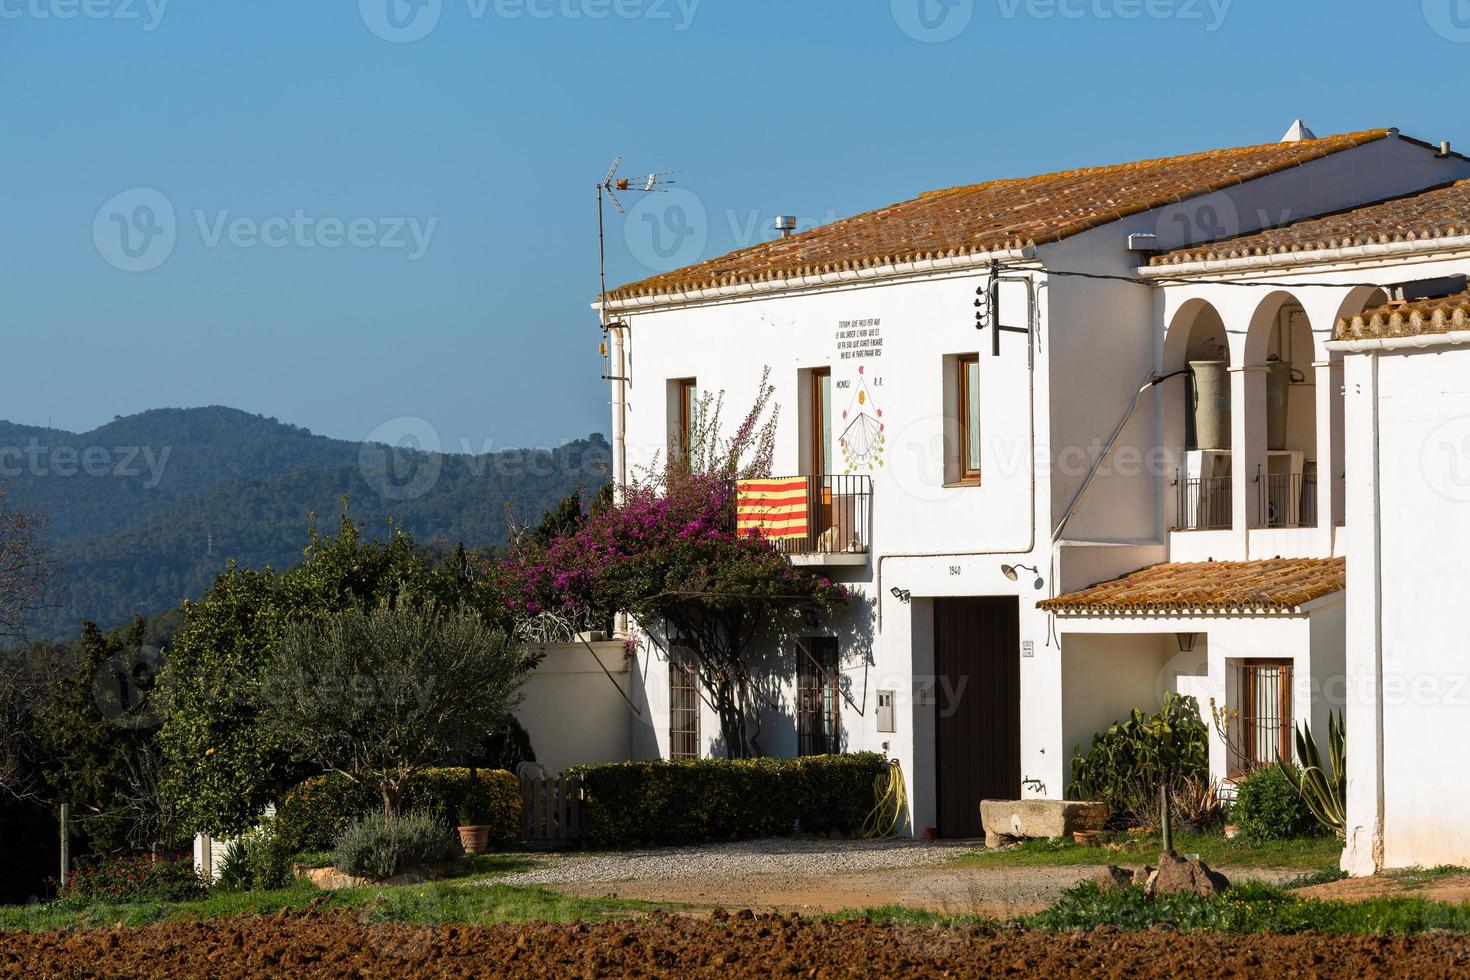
775	509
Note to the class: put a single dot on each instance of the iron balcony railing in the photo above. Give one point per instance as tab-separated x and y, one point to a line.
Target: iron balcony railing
1202	503
838	512
1287	500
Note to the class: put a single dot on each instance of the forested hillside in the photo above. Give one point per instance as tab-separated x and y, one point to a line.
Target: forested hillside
144	511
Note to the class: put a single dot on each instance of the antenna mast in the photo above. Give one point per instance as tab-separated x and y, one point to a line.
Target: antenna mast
609	188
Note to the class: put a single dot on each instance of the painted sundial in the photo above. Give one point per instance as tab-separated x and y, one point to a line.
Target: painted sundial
863	438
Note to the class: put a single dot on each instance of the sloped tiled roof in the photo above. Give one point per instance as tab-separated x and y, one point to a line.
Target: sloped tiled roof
995	215
1413	319
1443	212
1228	586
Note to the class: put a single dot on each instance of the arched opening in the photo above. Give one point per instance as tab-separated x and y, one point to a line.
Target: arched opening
1196	429
1357	300
1282	412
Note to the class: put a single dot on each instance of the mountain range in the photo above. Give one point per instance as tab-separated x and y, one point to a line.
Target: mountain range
143	512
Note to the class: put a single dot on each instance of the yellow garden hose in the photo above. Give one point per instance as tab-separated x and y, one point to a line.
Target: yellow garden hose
891	803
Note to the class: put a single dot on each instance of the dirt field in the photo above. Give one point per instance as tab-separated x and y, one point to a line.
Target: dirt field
1452	888
740	945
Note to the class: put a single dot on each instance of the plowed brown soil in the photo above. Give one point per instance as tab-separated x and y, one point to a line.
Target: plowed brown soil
743	944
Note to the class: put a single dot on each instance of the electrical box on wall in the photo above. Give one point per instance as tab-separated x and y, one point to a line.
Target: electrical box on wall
886	721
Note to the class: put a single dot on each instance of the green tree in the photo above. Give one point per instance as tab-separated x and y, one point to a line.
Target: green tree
221	764
94	717
379	696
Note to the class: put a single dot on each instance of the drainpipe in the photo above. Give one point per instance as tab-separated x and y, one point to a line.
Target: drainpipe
618	375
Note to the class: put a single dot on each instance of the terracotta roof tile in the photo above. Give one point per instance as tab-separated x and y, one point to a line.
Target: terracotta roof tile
1236	586
1442	212
1413	319
995	215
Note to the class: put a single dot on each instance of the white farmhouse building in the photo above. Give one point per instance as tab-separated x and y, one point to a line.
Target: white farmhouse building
1161	414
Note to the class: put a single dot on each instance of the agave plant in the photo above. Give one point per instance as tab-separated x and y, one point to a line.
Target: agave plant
1325	795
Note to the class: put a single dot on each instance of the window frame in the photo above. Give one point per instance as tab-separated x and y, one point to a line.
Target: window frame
820	422
686	392
966	474
684	711
818	699
1250	723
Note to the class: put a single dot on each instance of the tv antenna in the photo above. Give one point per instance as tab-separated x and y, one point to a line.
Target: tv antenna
609	188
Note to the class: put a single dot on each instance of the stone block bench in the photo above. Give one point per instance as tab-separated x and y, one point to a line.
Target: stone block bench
1006	821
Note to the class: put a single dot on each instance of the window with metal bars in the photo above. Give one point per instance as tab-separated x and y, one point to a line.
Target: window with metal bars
1264	688
683	705
818	713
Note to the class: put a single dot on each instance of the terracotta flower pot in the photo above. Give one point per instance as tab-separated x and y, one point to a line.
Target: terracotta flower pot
475	838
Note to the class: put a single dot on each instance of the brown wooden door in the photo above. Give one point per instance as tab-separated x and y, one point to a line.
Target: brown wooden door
977	707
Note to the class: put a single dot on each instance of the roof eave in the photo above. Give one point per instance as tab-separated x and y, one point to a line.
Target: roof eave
1351	255
825	280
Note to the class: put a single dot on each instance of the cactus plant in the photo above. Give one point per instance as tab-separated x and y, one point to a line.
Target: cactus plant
1324	794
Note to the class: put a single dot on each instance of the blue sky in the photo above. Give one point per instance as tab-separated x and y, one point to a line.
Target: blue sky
378	213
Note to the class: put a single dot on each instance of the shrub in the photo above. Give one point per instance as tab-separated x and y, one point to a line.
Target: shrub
134	878
1268	807
698	800
235	873
269	856
381	844
313	814
486	796
1126	764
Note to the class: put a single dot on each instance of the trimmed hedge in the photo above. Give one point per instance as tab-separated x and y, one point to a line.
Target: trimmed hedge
315	812
694	801
488	796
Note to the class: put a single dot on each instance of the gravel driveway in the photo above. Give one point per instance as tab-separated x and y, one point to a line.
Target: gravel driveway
783	856
790	875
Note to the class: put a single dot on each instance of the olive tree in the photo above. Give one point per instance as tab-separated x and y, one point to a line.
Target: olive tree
381	695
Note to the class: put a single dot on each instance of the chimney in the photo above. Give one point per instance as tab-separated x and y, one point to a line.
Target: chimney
1298	132
786	225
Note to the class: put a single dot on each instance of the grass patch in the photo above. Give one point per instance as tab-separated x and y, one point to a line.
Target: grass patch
1309	854
902	915
435	903
1248	908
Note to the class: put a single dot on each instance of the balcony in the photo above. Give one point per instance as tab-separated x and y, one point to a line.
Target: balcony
1202	503
1287	500
814	520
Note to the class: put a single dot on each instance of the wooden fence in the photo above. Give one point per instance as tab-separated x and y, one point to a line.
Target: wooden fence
551	811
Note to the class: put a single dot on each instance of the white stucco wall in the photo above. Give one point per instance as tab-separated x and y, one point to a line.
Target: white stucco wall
573	713
1410	676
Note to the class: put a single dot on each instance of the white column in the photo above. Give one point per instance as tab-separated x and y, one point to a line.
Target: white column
1364	709
1247	447
1329	450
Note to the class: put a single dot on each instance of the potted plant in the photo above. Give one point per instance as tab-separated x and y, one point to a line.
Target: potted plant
474	827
